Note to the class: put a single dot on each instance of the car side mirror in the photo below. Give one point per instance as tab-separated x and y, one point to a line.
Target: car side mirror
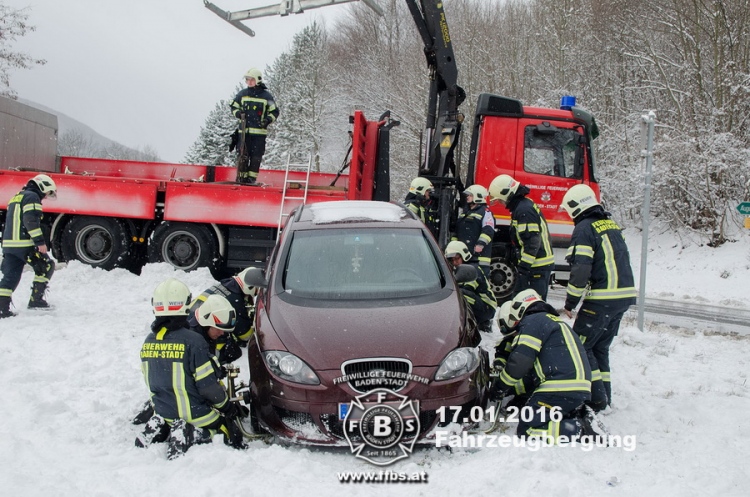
255	277
465	273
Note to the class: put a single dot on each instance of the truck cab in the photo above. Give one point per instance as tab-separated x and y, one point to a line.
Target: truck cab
548	150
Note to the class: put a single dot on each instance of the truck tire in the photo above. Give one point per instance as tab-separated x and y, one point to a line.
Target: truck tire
185	246
97	241
502	279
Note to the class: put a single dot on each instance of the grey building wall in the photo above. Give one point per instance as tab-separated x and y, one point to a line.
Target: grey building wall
28	137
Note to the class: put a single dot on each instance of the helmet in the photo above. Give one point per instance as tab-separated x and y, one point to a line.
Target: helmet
512	312
455	248
503	187
578	199
241	280
254	73
46	185
420	186
216	312
171	298
478	192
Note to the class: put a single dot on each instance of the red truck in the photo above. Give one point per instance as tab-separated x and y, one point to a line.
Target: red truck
113	213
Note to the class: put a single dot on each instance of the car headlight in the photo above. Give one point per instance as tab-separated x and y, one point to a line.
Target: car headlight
458	362
290	367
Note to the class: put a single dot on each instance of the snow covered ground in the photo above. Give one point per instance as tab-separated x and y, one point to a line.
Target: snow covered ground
72	382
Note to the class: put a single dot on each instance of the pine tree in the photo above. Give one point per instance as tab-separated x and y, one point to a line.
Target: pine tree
212	145
13	25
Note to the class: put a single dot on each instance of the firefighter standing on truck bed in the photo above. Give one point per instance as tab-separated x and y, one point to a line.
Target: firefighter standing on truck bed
600	262
23	243
255	107
529	234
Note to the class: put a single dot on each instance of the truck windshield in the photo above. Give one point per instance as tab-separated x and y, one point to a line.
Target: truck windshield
553	153
361	264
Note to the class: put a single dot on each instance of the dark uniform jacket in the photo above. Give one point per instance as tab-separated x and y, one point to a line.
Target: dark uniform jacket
259	107
424	209
599	259
23	229
528	230
180	373
478	295
546	345
241	303
477	226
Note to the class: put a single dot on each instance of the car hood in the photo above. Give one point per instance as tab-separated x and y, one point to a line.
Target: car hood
325	337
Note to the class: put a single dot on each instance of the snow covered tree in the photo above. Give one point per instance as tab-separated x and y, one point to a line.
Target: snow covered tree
301	83
212	145
13	25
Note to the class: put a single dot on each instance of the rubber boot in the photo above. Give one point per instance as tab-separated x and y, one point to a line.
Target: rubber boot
36	301
182	436
155	431
5	311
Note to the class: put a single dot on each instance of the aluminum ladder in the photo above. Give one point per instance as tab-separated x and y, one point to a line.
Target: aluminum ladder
303	185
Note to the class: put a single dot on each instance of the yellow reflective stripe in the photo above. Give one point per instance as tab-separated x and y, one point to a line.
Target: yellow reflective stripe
35	233
246	336
544	261
18	243
538	370
489	301
596	375
609	262
32	207
582	250
476	215
484	236
552	430
507	379
564	386
470	300
520	388
204	370
180	391
574	291
485	259
41	279
160	334
605	376
6	292
256	131
570	343
205	420
605	294
531	342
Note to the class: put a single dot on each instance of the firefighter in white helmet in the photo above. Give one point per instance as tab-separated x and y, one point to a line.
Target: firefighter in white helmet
419	200
528	233
473	284
546	354
183	377
24	243
256	109
600	269
476	227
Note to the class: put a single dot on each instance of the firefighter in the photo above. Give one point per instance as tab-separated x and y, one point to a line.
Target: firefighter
24	243
473	285
476	227
600	267
255	107
529	234
222	345
240	295
419	200
191	404
545	349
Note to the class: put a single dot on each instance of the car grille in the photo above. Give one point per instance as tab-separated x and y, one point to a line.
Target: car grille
368	374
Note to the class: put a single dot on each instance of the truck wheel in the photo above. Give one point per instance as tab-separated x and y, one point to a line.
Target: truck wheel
184	246
96	241
502	279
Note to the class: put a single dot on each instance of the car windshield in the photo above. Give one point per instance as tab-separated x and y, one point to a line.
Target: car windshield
361	264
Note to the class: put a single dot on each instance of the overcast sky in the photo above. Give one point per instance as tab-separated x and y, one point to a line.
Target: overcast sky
147	72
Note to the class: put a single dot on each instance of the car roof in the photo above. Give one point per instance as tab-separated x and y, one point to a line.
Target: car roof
354	212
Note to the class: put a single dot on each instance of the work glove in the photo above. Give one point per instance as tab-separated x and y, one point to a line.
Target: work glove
231	350
235	139
498	389
231	411
266	122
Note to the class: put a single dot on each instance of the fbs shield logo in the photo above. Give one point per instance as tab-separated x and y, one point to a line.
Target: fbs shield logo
382	426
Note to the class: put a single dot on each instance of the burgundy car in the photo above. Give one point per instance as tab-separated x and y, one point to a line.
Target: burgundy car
358	296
